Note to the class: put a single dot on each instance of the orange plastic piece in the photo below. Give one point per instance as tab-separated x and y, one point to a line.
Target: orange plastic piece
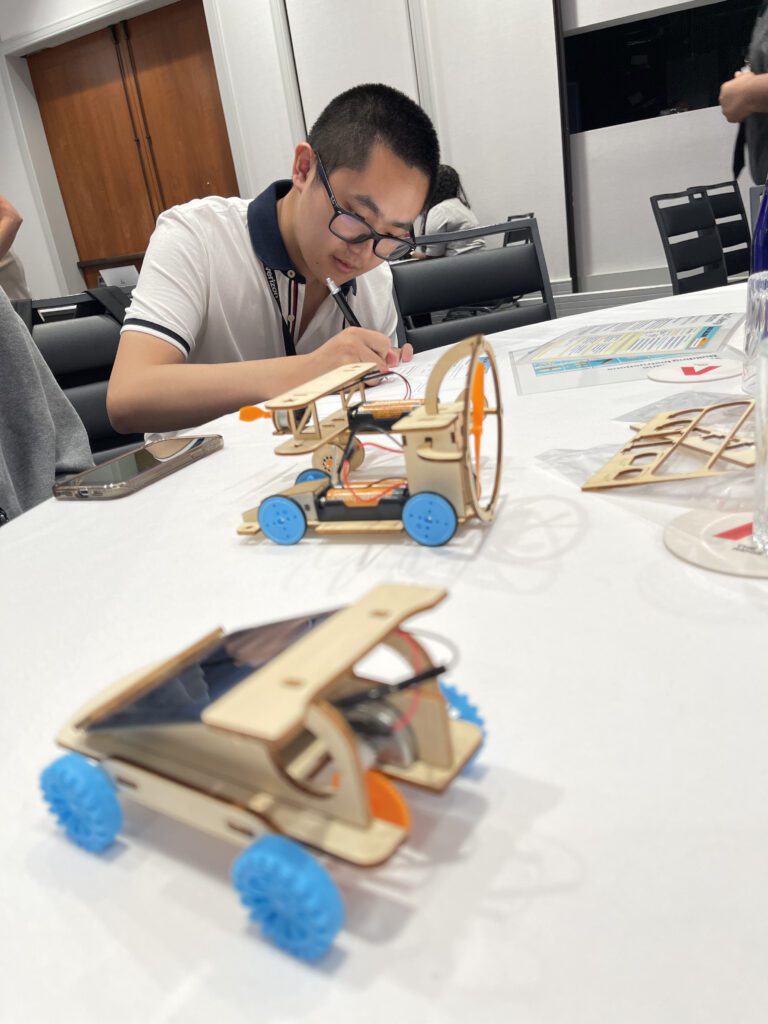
478	408
249	413
385	798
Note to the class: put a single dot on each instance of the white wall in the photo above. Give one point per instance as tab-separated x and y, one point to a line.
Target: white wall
259	97
477	65
582	14
21	18
486	72
262	122
617	169
27	177
58	19
44	261
342	43
497	111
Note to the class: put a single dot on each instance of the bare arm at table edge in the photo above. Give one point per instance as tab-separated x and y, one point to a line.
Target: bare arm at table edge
10	222
152	388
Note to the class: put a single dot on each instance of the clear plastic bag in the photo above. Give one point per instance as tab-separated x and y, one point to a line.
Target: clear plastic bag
731	490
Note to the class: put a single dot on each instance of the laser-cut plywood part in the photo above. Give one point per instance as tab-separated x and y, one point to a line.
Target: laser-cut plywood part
699	430
273	730
452	452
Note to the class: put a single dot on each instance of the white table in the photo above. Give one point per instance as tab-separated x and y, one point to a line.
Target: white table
609	861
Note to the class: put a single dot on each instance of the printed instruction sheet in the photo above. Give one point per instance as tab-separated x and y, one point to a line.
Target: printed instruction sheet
604	353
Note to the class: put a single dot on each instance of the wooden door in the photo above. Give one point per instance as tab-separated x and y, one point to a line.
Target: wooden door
93	143
181	104
134	122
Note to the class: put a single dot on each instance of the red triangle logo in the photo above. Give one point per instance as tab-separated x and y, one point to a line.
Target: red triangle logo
691	371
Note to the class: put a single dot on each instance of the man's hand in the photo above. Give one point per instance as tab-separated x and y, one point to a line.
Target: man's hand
736	96
404	354
357	345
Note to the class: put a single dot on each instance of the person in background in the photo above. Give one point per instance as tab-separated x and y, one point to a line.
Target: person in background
232	305
12	279
449	211
744	100
41	435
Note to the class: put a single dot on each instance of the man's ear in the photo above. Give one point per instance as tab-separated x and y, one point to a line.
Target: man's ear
303	166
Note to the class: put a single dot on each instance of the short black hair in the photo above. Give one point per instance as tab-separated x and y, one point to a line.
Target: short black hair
360	118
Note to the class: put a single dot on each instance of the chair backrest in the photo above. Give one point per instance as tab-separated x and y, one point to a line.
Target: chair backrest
80	352
475	279
514	235
694	263
731	222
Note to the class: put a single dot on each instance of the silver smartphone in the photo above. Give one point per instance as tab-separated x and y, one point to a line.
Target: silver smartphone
126	474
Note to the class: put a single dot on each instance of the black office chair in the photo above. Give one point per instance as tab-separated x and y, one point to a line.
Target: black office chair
513	235
78	337
732	224
478	279
694	263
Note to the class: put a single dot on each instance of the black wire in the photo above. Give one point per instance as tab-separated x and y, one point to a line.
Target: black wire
384	690
370	428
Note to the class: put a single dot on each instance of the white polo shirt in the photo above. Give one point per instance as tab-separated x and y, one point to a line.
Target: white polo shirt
204	285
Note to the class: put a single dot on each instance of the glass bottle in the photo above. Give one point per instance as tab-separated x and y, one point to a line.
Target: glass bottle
760	512
757	297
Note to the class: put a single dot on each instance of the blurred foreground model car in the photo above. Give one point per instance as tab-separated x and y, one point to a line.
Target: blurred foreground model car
274	738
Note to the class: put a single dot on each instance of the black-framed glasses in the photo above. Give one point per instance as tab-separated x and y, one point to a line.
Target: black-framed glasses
351	228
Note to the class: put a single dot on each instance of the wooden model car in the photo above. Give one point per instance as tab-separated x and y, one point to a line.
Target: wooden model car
441	442
267	737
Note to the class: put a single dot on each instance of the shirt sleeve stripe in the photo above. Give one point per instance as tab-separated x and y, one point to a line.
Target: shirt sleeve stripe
159	330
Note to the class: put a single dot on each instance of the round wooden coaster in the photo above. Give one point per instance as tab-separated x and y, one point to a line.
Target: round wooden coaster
718	541
693	373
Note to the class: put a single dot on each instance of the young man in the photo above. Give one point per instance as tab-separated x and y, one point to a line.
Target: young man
230	290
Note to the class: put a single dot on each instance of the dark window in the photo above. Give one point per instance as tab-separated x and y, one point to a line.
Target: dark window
662	65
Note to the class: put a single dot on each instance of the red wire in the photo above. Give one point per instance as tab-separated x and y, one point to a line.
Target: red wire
410	711
356	490
404	379
408	715
372	444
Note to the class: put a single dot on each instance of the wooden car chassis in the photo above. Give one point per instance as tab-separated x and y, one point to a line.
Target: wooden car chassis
247	766
440	441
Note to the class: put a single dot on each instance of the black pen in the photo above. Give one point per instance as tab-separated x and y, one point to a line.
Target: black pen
342	303
349	316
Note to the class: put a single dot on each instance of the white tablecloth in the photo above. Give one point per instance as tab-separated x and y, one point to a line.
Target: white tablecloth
606	862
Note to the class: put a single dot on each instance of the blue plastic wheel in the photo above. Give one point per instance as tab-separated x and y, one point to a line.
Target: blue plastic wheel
290	895
82	798
282	519
429	518
460	706
312	474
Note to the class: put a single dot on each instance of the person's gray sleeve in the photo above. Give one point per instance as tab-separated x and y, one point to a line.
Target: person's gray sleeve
41	435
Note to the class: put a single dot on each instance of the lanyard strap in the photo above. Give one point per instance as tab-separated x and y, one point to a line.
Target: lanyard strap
288	328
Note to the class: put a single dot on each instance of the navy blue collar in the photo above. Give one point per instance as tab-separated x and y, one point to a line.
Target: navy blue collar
265	234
